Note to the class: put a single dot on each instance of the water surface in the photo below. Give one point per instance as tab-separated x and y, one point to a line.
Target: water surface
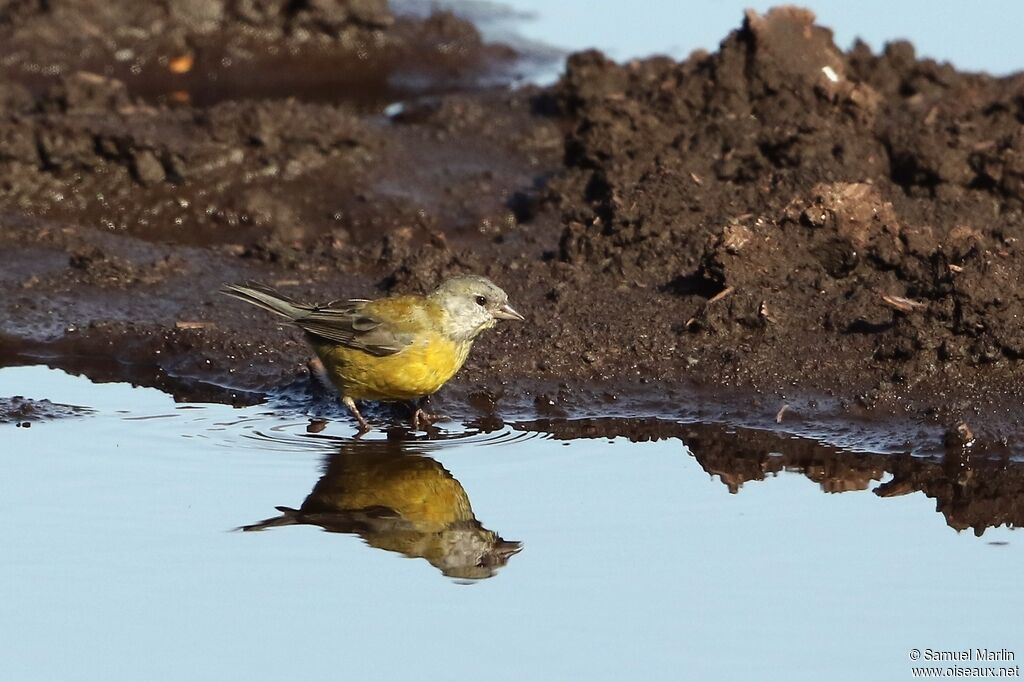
122	558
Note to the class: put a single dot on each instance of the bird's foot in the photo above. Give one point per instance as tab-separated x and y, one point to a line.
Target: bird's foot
423	420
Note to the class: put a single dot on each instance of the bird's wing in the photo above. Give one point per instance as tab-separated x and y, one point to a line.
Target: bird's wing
358	325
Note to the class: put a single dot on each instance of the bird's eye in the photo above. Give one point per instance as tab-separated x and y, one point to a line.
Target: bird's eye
481	300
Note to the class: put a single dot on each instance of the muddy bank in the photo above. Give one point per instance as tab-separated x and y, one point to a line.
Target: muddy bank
823	219
199	52
779	223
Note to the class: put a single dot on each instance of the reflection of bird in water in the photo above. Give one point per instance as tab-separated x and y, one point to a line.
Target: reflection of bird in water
401	501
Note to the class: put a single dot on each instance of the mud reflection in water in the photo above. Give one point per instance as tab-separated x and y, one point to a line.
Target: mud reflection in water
973	487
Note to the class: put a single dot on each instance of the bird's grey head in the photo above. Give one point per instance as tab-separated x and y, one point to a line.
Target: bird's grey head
473	304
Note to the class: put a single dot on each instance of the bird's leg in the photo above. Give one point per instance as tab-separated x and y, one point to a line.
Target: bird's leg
420	417
318	371
364	426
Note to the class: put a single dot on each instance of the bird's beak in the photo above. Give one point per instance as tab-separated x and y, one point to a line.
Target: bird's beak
503	550
507	312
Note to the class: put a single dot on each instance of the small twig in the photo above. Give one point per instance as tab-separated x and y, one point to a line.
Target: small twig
781	413
714	299
902	304
720	295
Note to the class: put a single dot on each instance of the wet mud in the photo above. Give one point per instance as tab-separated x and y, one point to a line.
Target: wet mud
23	412
777	229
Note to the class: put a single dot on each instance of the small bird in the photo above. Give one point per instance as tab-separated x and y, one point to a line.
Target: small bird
399	348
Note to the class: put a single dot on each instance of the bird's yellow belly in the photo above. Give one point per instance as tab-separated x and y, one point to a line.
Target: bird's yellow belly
414	372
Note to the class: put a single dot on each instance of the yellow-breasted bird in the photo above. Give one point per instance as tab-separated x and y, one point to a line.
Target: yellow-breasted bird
395	348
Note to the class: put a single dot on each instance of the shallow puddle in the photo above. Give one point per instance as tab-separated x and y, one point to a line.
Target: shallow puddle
720	554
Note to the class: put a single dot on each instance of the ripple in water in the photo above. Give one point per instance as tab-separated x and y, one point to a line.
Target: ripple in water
297	436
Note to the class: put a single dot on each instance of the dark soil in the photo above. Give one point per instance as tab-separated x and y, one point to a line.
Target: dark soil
776	224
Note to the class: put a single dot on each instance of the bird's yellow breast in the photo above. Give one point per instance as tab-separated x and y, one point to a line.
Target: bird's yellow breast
418	370
418	489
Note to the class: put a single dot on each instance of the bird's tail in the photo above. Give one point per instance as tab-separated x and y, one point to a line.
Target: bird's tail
266	298
288	517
